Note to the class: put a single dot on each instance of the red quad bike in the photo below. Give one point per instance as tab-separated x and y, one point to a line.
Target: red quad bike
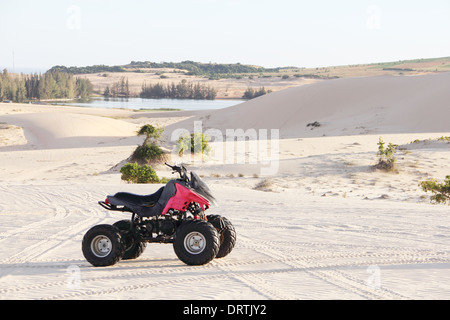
174	214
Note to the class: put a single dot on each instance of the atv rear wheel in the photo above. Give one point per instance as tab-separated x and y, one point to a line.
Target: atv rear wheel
196	242
227	234
103	245
133	247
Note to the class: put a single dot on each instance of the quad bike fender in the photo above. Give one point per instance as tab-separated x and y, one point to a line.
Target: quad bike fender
182	198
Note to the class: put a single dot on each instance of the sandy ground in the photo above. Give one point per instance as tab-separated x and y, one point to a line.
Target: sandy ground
325	225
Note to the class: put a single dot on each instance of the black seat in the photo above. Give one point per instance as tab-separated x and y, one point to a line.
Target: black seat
144	206
131	199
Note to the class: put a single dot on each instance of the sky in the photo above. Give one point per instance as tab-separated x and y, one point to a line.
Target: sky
41	34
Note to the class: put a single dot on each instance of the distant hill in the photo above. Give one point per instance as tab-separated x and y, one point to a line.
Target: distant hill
211	70
197	68
87	70
231	81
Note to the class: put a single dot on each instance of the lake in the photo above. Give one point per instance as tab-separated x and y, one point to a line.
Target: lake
140	103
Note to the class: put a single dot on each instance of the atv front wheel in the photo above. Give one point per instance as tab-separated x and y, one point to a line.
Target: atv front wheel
196	242
227	234
133	247
103	245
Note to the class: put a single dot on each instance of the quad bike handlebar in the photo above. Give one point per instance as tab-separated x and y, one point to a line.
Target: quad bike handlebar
180	169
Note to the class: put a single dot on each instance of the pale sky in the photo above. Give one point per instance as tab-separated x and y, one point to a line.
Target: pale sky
44	33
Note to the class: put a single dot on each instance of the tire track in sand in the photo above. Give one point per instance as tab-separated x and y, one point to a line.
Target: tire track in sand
17	261
220	269
329	274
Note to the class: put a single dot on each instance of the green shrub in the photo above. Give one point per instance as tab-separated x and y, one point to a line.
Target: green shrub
134	173
440	191
251	93
147	153
387	157
195	143
149	150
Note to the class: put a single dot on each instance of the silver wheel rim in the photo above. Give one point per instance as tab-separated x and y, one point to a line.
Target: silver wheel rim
195	242
101	246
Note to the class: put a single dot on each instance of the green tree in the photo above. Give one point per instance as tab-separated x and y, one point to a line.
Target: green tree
149	150
84	88
32	86
151	133
21	91
51	85
48	88
107	92
127	89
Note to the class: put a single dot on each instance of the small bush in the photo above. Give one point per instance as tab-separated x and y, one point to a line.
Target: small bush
387	158
264	185
134	173
440	191
147	153
195	143
313	125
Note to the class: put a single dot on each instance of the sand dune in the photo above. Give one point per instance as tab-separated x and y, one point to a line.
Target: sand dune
69	130
374	105
324	226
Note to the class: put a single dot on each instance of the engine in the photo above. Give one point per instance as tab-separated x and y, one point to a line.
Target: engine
166	227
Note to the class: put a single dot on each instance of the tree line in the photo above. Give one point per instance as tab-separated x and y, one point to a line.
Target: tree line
118	89
192	68
88	69
199	69
50	85
182	90
251	93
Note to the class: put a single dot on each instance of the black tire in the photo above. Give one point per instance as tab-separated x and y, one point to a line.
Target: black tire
196	242
227	234
133	247
103	245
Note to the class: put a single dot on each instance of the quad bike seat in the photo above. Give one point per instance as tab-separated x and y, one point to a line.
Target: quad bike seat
131	199
144	206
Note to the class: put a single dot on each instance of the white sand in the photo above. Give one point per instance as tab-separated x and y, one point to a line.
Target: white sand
326	227
351	106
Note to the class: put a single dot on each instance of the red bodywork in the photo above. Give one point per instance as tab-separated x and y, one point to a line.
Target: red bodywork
182	198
